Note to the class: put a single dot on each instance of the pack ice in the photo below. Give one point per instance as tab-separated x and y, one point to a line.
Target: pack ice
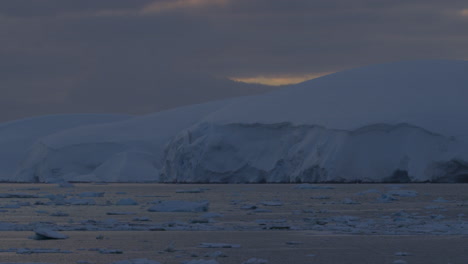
395	122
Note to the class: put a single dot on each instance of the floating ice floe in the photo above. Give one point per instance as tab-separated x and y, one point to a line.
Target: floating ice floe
369	191
218	245
77	201
248	207
201	261
441	200
272	203
46	233
91	194
120	213
109	251
211	215
262	210
293	243
386	198
270	221
255	261
403	254
349	201
18	195
320	197
65	184
141	219
24	263
308	186
59	214
41	250
196	190
136	261
216	254
180	206
403	193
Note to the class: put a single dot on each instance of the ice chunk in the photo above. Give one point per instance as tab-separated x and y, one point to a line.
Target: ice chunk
44	233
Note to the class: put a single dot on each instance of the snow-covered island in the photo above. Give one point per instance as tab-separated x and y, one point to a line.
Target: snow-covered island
396	122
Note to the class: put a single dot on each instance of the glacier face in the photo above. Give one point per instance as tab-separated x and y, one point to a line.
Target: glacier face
238	153
396	122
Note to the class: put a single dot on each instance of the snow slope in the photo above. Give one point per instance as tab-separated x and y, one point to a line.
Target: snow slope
402	121
128	151
428	94
17	137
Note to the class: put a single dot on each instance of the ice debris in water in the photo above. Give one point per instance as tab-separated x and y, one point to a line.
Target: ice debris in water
349	201
110	251
255	261
272	203
216	254
441	200
126	201
219	245
91	194
402	254
41	250
180	206
201	261
136	261
403	193
308	186
17	195
196	190
77	201
386	198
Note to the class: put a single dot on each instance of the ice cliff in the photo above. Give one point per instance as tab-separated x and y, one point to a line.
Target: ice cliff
396	122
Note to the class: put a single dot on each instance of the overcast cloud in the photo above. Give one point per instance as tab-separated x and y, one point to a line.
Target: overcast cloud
139	56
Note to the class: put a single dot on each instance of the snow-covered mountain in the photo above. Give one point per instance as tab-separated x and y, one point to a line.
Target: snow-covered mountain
395	122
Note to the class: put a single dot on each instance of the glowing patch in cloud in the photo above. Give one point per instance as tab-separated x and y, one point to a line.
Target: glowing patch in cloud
464	12
280	80
161	6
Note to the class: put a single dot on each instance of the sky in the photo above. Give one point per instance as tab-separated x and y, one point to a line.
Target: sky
142	56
